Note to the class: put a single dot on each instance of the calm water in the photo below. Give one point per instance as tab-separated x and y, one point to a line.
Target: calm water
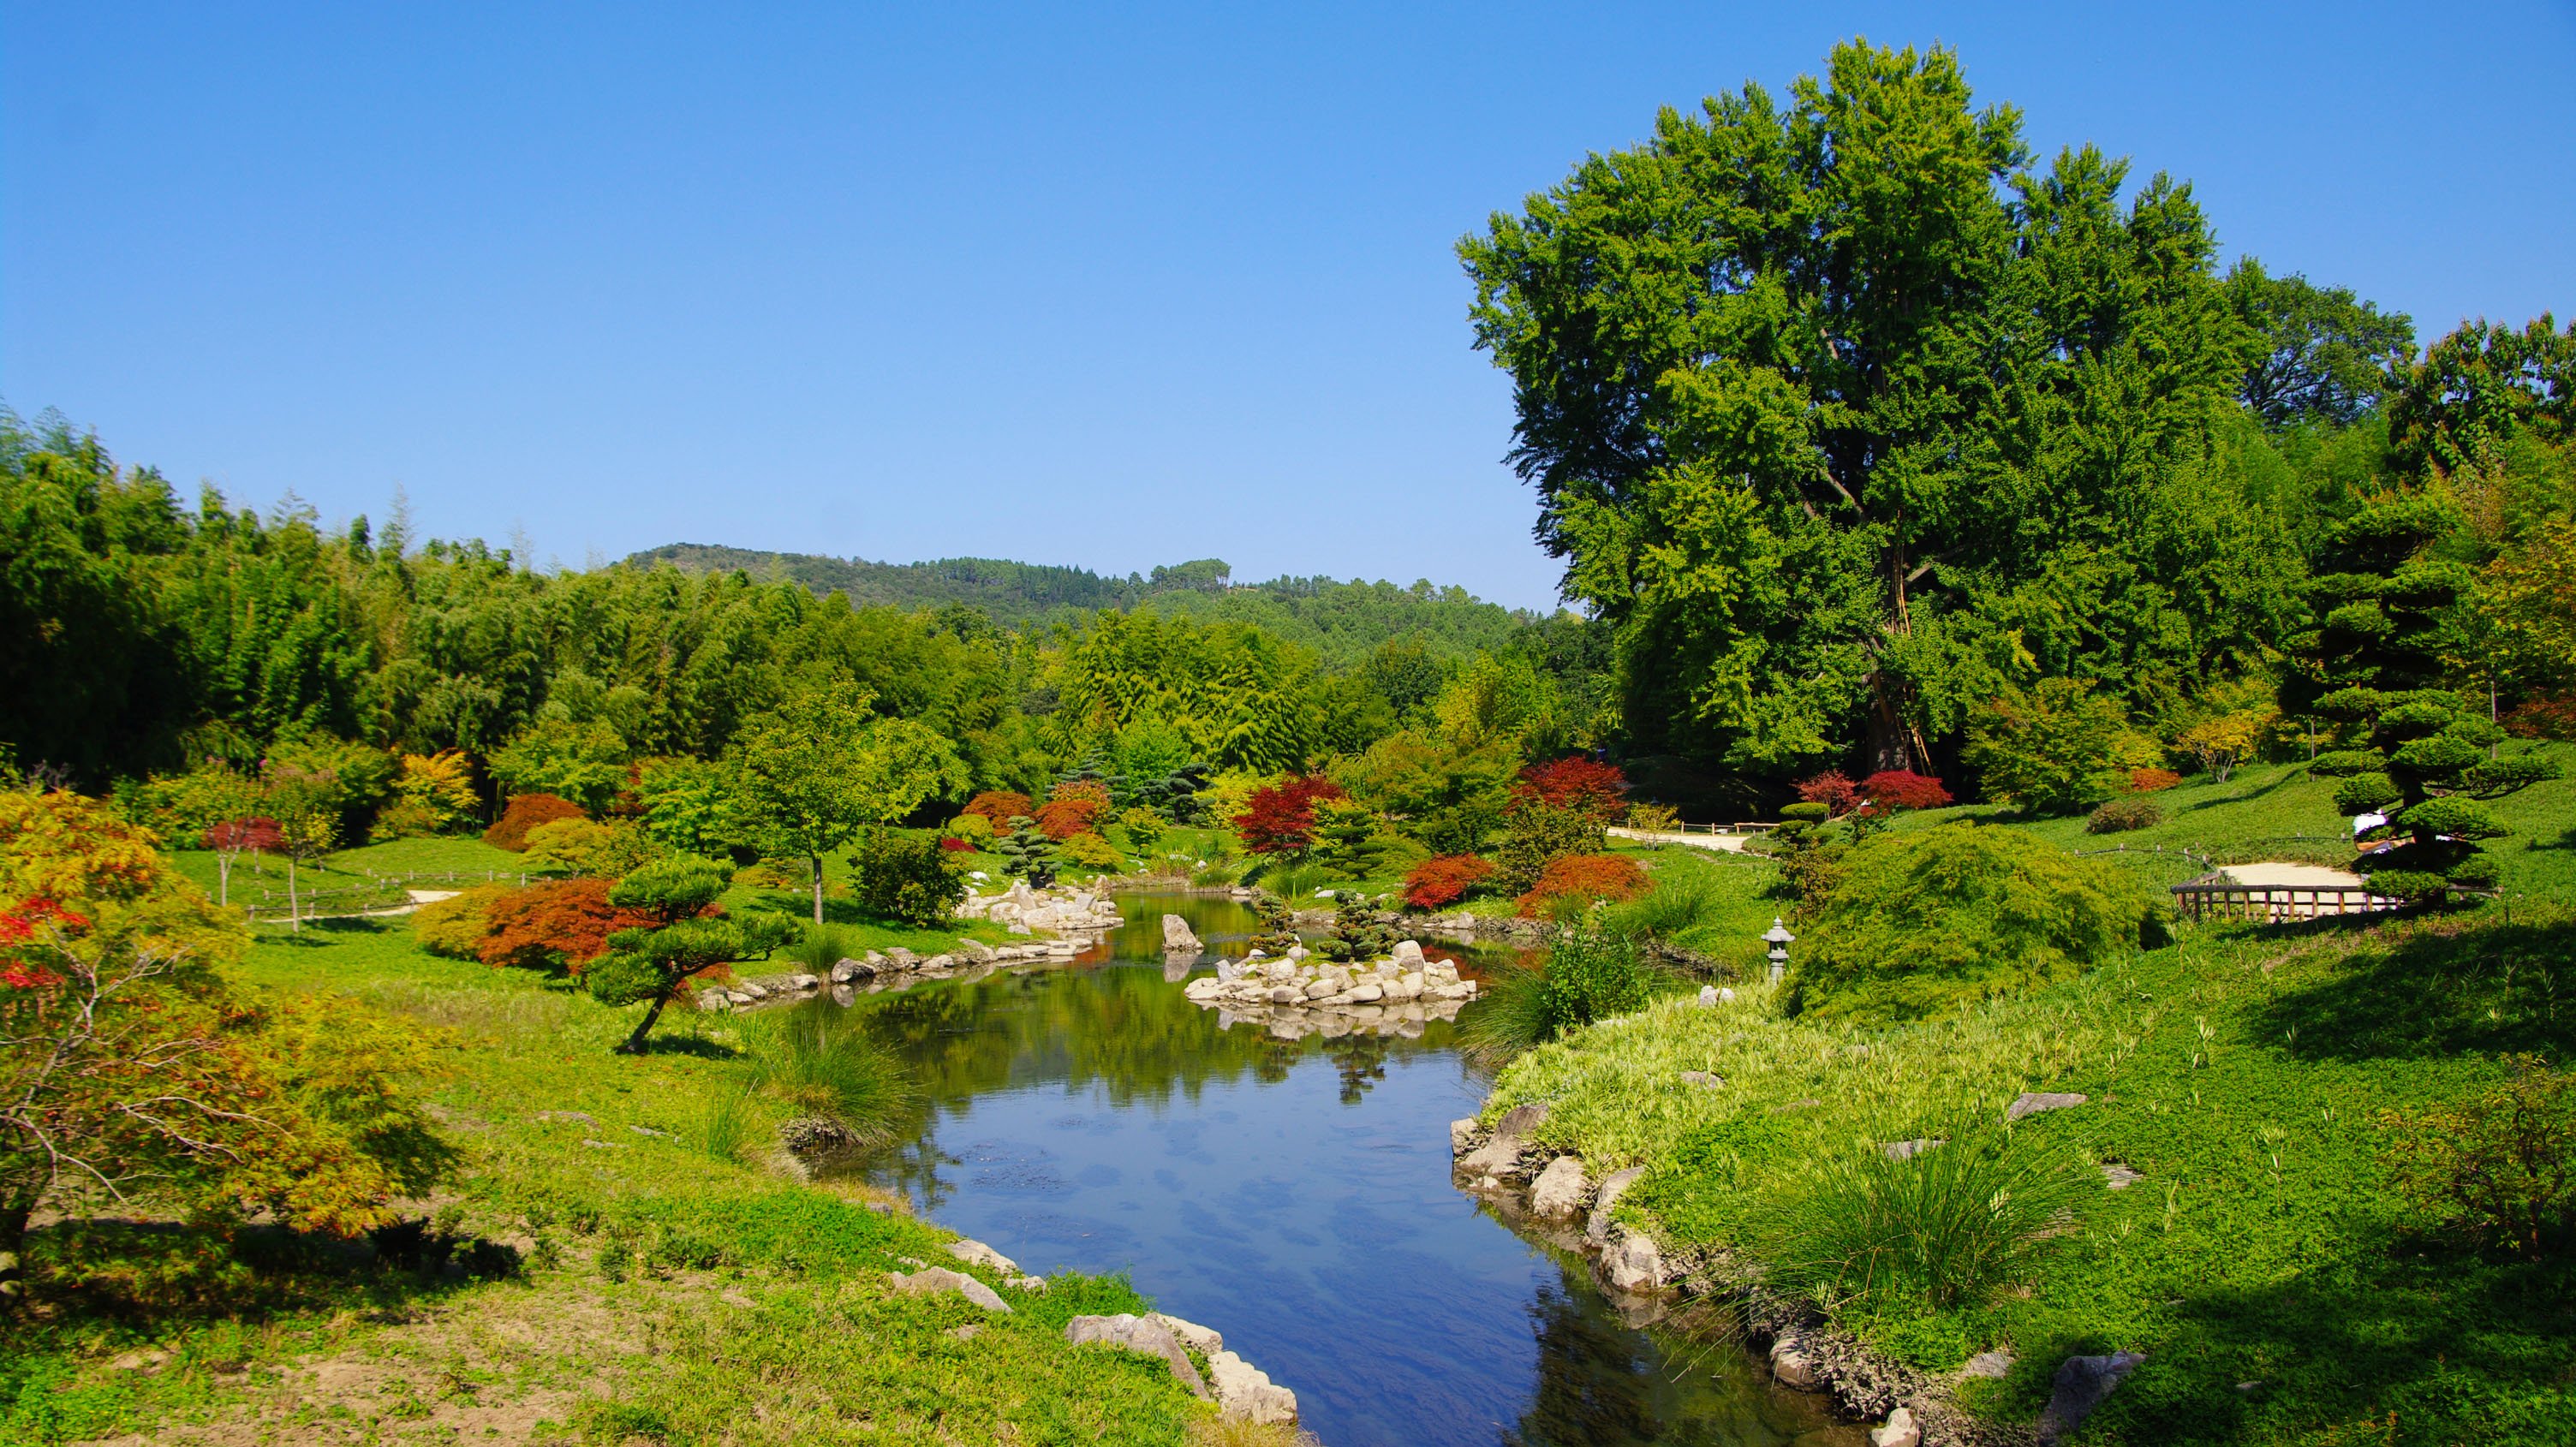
1293	1195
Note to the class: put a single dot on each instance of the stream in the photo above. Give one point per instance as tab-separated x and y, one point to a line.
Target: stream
1294	1195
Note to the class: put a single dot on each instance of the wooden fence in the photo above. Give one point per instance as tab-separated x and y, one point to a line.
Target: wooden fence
2225	899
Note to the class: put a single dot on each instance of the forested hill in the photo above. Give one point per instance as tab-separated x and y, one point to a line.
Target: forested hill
1341	621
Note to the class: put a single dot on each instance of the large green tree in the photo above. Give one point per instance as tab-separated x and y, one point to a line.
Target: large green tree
820	768
2323	354
1844	416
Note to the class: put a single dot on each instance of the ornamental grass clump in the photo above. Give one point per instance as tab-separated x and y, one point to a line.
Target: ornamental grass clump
1944	1226
843	1091
1926	924
1592	973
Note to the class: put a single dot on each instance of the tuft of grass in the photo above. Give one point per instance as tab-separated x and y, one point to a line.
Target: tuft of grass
823	1067
1592	972
1943	1227
723	1123
823	946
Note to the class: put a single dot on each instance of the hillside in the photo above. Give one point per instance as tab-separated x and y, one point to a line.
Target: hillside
1342	621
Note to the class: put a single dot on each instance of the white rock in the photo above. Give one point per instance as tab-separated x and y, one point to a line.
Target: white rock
1461	1131
1900	1431
1245	1392
1597	1229
1633	1263
1201	1339
1408	954
1205	987
1791	1365
1559	1189
1708	997
976	1253
1367	994
940	1278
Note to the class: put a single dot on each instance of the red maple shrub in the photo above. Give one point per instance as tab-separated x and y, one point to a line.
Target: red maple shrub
1586	877
258	834
1280	818
1833	789
1061	819
955	845
1444	880
526	812
1891	790
562	924
2147	781
1588	787
2550	716
1001	806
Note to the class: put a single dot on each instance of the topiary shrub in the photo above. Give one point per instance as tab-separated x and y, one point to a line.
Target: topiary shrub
1922	924
2122	815
524	813
1445	880
973	828
1582	879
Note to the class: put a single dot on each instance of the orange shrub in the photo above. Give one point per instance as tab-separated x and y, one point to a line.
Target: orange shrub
1065	818
1001	806
526	812
1435	882
1585	876
561	924
1082	789
2147	781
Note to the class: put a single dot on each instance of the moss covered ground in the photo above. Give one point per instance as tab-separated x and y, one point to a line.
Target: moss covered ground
750	1307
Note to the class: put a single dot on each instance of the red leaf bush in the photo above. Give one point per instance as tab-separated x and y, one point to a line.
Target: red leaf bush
1064	818
2147	781
1588	787
1280	818
561	924
1587	877
1444	880
259	834
1890	790
1001	806
1834	790
955	845
524	813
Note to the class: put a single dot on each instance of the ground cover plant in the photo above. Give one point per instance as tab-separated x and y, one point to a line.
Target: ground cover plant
2306	1178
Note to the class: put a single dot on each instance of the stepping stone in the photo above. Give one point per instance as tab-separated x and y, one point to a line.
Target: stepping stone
2118	1177
2032	1102
1992	1365
1703	1079
1908	1150
936	1279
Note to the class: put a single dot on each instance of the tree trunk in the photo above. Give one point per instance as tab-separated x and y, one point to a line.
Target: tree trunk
223	879
818	887
635	1043
294	913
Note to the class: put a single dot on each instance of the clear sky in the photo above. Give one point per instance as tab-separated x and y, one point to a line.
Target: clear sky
1109	286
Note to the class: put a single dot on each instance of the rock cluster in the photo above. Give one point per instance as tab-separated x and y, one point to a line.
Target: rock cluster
756	992
1026	910
1294	996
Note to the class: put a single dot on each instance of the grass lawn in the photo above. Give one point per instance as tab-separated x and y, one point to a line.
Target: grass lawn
756	1311
2282	1288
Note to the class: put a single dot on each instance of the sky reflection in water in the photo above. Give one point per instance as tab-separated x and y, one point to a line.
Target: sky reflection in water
1293	1195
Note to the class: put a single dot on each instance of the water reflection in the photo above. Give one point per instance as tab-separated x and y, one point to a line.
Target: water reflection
1293	1194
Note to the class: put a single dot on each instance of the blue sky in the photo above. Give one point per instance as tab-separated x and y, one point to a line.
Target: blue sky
1110	286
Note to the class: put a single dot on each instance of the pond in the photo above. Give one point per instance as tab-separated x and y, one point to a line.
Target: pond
1295	1195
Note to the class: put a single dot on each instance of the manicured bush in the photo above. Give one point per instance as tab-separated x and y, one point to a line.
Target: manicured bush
2121	815
1001	807
1142	828
524	813
906	877
1583	878
973	828
1592	973
1809	811
1435	883
1922	924
1093	852
2148	781
454	927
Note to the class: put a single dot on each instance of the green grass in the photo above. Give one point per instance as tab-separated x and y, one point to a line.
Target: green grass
756	1311
2240	1071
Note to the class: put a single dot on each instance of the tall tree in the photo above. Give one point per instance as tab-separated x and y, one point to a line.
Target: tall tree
1840	413
2325	355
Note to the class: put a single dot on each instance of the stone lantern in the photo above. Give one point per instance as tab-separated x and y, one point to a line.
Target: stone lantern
1779	938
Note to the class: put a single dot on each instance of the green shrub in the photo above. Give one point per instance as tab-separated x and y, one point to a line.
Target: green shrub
1093	852
1538	834
975	829
2058	749
1942	1228
454	926
907	877
2122	815
1926	923
824	1069
1142	828
2502	1166
1806	812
